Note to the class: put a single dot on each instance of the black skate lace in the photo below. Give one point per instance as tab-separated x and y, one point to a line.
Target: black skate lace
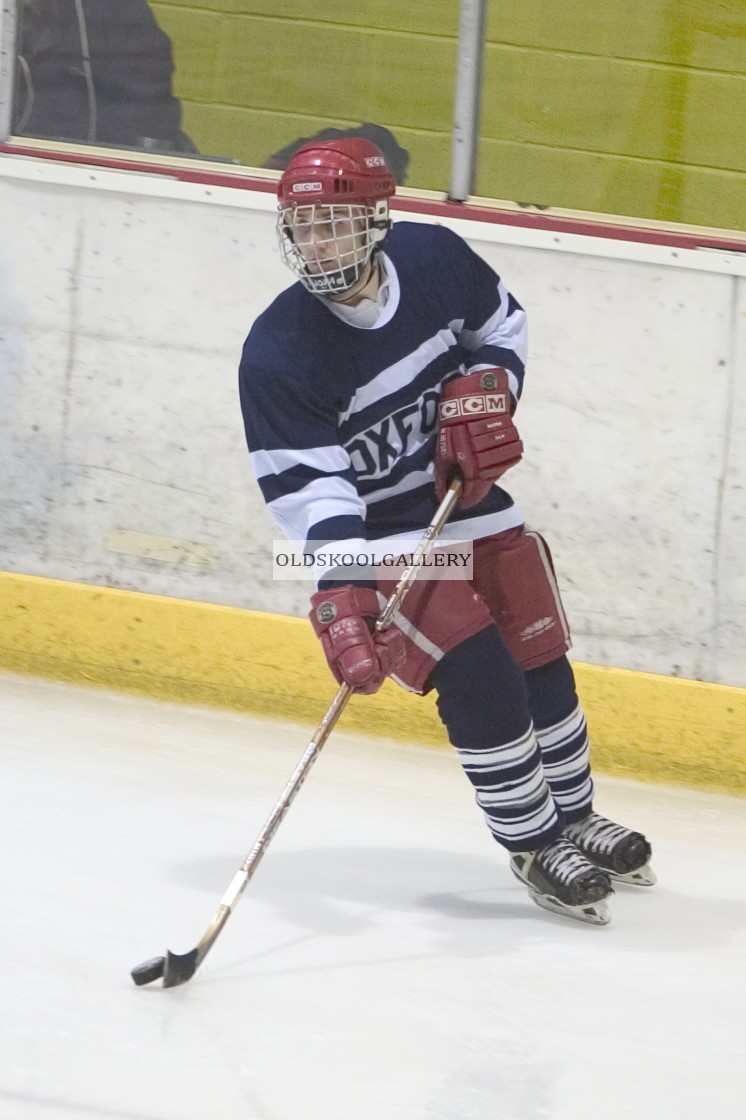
563	860
598	834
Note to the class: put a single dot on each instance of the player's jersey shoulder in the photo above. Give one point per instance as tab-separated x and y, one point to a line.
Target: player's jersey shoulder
289	315
290	325
418	239
424	251
294	347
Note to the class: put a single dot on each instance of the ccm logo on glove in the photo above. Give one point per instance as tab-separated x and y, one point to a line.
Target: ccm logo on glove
485	403
477	439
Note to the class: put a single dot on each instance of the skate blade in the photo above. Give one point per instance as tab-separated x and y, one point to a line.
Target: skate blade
594	914
641	877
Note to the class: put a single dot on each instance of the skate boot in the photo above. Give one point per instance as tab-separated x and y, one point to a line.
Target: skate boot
620	852
560	878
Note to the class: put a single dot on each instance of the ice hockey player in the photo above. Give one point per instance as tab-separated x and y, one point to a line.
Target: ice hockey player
396	358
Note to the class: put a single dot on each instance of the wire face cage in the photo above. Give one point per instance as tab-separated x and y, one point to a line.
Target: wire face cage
328	247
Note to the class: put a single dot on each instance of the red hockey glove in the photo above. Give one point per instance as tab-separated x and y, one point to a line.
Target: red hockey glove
344	620
477	436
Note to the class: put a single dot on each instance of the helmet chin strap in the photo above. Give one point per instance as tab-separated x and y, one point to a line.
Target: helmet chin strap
357	291
348	279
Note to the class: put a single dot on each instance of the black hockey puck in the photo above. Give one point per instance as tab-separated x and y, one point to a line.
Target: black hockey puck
148	971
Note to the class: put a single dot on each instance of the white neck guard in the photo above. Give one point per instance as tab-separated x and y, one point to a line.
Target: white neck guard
370	314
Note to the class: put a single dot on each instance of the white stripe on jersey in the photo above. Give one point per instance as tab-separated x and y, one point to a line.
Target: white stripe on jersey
512	379
409	482
401	373
378	551
321	499
407	542
296	513
332	458
507	331
486	525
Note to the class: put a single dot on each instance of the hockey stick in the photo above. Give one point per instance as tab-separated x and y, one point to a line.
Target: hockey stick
176	969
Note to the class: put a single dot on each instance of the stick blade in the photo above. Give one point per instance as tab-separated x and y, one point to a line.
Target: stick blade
148	971
179	968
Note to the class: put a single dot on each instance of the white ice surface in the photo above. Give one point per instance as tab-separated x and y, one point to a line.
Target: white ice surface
383	963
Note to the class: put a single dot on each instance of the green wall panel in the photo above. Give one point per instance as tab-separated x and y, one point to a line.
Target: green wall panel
712	119
366	74
256	134
195	36
705	34
710	197
616	107
611	184
636	109
433	17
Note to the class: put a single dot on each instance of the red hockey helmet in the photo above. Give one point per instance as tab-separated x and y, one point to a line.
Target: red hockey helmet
350	170
334	213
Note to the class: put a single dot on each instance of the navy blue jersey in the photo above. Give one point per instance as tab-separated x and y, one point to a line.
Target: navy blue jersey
341	420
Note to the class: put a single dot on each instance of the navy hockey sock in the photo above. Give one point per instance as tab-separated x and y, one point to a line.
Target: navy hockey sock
483	702
563	737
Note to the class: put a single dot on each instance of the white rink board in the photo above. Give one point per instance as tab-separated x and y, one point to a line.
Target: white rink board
383	964
124	302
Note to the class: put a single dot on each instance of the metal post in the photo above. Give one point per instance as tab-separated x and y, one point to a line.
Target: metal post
467	99
8	23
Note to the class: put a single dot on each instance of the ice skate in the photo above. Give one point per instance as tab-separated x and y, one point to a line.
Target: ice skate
620	852
560	878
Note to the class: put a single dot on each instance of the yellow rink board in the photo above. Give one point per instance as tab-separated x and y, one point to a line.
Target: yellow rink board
642	726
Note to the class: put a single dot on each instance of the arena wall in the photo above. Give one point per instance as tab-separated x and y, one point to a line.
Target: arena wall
639	110
125	484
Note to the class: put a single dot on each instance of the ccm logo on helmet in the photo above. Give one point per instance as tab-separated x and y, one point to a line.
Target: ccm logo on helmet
299	188
469	406
375	161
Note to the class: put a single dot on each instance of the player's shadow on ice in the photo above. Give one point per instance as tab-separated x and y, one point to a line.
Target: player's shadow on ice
473	905
342	891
